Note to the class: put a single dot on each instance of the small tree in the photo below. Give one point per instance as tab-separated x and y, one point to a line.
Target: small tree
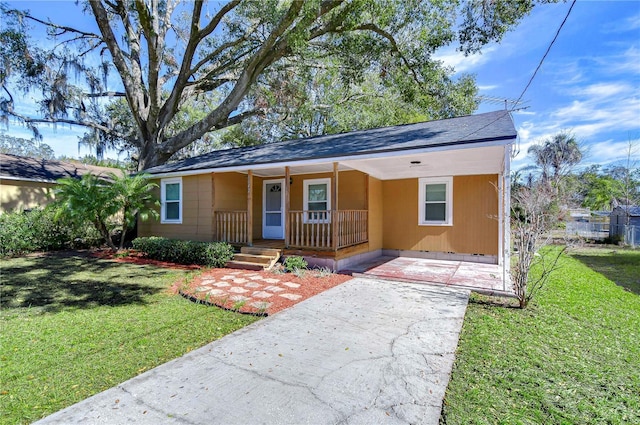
535	212
100	202
533	217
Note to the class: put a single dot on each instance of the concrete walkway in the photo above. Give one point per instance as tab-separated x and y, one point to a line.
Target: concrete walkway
367	351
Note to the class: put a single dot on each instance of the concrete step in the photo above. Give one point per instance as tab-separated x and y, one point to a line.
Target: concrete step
252	258
245	265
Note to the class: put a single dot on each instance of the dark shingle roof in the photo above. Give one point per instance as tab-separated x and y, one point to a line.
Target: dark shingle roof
46	170
491	126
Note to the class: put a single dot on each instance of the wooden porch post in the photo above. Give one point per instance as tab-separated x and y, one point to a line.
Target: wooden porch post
287	206
250	208
334	207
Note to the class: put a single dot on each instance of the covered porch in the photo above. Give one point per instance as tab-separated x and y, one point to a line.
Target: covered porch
277	218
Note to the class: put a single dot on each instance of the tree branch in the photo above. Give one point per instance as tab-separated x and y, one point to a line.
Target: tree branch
105	94
170	107
130	76
179	141
63	28
88	124
394	46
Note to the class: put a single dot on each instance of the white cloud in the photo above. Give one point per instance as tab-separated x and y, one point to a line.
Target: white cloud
604	90
625	62
630	24
488	87
451	57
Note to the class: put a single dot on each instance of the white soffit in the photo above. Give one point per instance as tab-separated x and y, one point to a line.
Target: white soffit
484	160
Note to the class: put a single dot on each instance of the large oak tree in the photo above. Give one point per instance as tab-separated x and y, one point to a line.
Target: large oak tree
245	60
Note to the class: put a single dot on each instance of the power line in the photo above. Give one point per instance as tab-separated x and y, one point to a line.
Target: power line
546	53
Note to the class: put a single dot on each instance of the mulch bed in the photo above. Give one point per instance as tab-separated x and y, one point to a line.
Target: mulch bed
259	293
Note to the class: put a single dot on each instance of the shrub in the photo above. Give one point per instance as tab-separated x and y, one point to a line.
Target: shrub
295	263
40	230
213	254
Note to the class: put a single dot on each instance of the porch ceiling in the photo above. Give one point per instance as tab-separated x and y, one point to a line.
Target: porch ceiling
484	160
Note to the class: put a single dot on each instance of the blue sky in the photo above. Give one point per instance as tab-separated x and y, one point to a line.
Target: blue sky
589	84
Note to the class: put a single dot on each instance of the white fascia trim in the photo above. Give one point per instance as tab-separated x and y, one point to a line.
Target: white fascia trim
404	152
26	180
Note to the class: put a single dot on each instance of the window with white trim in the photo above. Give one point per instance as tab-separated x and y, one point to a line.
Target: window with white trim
171	200
435	201
317	200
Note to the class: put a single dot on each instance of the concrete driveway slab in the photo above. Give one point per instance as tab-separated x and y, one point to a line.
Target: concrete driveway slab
367	351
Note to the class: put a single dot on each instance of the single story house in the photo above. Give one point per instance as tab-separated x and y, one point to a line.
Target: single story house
27	183
437	189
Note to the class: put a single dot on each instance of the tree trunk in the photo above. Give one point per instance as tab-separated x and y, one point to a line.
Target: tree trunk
150	156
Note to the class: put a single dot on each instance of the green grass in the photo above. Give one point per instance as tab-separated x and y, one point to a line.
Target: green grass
74	326
573	357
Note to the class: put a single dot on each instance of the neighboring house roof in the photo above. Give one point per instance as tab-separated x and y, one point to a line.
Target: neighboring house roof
13	167
472	129
634	211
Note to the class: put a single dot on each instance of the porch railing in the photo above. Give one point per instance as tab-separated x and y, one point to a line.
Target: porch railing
327	229
231	226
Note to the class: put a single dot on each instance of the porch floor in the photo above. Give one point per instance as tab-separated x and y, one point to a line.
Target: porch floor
483	278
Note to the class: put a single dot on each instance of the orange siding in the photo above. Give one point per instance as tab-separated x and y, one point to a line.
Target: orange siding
18	195
257	206
375	208
230	192
475	211
197	216
351	190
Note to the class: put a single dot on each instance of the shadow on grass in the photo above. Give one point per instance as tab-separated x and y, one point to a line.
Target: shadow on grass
56	281
619	266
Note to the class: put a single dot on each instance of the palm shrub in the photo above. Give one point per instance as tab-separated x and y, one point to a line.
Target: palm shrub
100	202
134	196
87	199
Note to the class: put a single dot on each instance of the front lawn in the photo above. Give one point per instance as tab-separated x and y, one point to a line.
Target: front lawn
573	357
73	326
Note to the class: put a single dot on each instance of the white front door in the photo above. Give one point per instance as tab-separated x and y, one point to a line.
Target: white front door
273	209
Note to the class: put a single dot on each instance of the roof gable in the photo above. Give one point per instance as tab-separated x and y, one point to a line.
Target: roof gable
472	129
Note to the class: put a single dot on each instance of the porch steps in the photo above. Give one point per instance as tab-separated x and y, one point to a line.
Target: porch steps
254	258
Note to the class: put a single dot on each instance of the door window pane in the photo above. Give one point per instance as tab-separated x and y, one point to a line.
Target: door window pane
273	197
274	219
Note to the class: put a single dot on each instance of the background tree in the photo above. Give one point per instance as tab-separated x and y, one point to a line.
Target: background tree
33	148
555	157
244	54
